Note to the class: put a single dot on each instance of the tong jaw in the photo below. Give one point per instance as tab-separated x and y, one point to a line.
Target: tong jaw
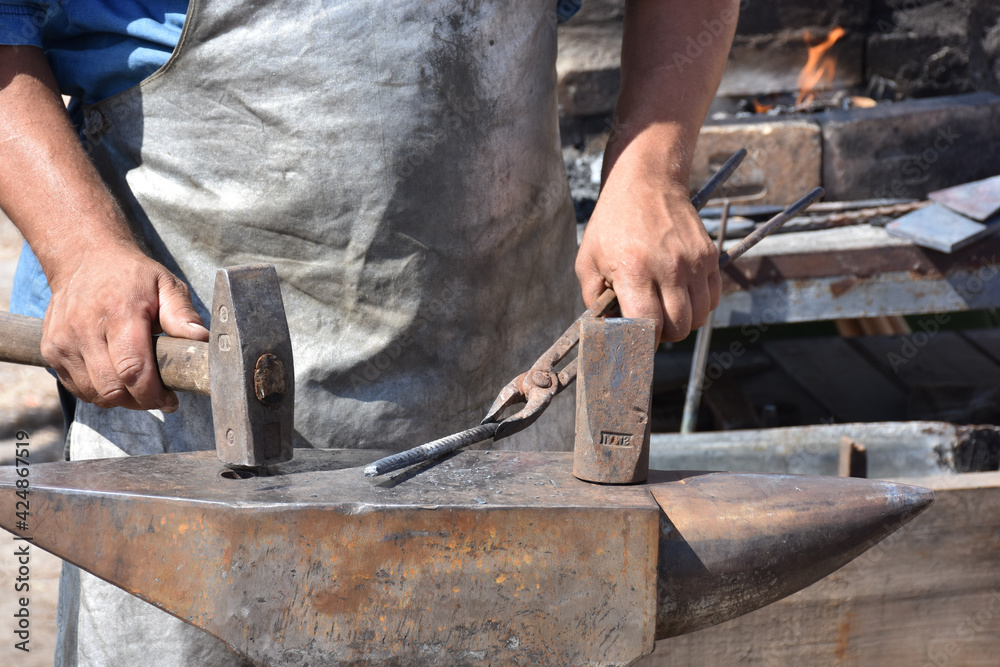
536	388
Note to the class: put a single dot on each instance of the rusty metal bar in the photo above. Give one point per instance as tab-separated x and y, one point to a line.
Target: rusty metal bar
754	237
721	176
702	343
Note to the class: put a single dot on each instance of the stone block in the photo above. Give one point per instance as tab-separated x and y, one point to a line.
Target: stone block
783	160
910	148
759	18
588	68
924	65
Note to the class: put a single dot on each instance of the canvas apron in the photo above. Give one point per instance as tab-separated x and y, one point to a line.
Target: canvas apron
399	163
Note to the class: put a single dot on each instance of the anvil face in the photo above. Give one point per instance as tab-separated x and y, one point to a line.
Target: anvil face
501	557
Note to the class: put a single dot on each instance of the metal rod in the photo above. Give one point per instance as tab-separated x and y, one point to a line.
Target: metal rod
432	449
754	237
725	171
692	400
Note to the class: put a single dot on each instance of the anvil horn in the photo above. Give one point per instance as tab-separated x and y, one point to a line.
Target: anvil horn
495	557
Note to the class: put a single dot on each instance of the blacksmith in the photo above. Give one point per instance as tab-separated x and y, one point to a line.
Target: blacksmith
397	160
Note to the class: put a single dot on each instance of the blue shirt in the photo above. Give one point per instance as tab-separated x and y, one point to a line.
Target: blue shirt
98	48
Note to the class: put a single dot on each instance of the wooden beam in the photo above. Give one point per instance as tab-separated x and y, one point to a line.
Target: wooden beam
927	595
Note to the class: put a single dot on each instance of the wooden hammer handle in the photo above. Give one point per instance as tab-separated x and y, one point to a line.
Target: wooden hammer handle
183	363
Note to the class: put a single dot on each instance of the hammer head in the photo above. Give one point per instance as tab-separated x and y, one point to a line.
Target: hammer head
613	393
250	368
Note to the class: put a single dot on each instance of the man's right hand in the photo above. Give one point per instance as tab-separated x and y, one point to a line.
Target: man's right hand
99	325
108	297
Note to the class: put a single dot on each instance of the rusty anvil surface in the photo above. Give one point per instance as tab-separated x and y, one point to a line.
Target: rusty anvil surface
498	557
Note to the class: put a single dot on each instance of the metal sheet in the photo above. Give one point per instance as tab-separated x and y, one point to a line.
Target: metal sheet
979	200
938	228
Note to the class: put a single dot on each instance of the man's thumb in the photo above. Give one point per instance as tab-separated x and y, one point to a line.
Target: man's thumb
178	317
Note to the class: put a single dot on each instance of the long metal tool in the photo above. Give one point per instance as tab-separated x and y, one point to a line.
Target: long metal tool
702	342
541	383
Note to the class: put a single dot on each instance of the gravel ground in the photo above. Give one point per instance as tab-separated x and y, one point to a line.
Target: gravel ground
28	402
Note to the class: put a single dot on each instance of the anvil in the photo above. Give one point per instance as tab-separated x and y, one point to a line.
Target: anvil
487	557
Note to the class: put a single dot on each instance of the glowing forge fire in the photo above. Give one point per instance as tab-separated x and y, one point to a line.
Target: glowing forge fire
820	67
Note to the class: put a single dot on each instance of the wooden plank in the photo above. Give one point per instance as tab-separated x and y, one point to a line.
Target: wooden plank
840	378
942	358
927	595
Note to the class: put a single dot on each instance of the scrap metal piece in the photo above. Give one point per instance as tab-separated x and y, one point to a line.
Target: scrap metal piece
613	398
701	197
250	368
487	558
979	200
756	236
855	272
939	228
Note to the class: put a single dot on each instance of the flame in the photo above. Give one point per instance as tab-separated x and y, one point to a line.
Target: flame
819	68
759	107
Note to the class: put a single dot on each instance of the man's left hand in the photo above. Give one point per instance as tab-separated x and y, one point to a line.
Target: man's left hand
650	245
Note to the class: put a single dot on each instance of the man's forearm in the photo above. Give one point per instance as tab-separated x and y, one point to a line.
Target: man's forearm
644	238
673	54
48	186
108	297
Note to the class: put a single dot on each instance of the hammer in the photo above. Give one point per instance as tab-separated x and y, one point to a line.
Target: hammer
246	367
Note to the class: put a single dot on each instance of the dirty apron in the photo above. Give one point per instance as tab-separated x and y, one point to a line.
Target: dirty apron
399	164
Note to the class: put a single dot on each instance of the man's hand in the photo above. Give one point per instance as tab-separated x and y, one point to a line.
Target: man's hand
100	322
651	246
645	239
108	297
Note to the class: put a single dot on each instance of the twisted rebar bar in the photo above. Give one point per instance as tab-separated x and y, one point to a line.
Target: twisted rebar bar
432	450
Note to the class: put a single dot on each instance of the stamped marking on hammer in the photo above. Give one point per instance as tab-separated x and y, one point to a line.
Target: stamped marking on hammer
612	439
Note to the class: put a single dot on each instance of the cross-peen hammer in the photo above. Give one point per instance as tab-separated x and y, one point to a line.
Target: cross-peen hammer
246	367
